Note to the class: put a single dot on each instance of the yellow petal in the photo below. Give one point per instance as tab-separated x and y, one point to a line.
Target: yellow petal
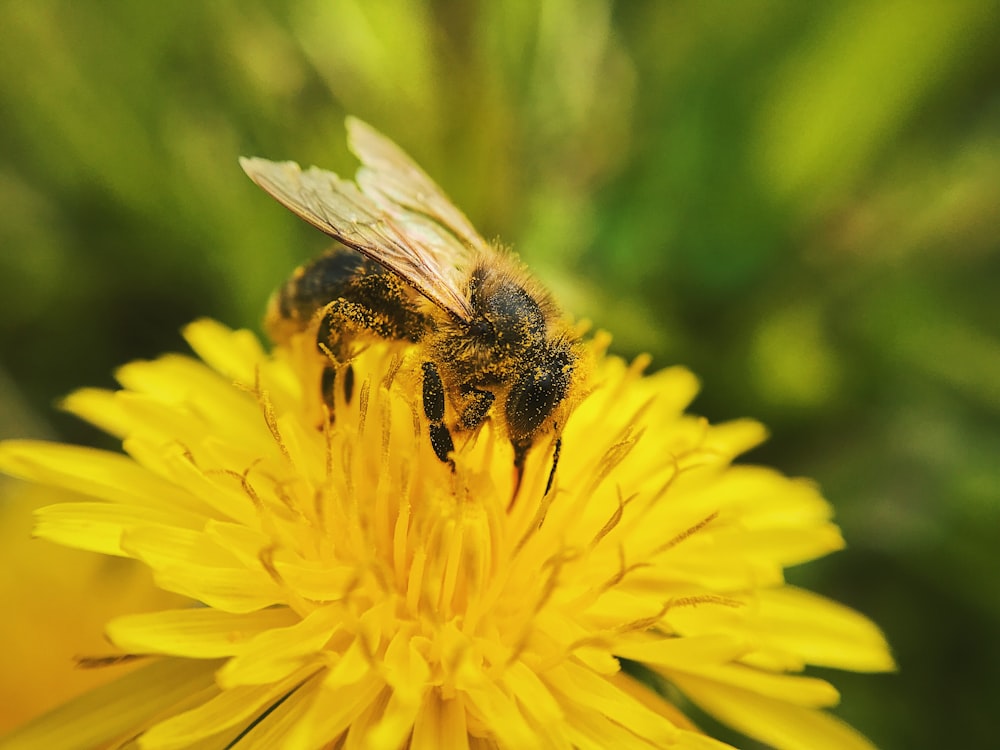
395	724
273	729
406	669
99	527
229	589
317	580
440	724
179	380
682	653
689	737
216	494
775	722
225	711
197	633
100	474
101	408
235	354
331	713
276	652
187	562
785	547
792	689
586	690
114	710
490	707
730	439
761	498
822	631
617	605
353	666
533	694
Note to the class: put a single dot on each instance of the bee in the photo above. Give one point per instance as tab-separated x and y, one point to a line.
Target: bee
410	267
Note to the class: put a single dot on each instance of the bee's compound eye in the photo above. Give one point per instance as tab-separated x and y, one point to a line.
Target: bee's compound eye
536	393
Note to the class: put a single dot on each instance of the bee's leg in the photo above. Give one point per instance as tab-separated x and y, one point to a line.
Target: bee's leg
521	448
338	321
475	406
433	397
373	305
348	383
520	455
328	383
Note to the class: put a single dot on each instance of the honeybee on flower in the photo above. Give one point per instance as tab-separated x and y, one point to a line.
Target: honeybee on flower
371	584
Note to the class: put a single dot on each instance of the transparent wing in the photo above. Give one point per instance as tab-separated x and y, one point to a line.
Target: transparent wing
340	209
403	189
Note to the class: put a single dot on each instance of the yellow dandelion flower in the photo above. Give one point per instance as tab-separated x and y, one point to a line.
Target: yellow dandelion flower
348	589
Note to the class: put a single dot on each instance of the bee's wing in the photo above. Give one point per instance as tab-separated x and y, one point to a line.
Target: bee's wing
337	207
403	189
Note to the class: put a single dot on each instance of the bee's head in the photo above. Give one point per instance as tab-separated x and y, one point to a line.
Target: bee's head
539	389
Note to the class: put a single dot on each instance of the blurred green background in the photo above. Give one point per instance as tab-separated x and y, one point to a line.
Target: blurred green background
799	201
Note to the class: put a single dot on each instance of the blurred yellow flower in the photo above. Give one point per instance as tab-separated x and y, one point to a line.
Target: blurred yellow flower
56	602
348	589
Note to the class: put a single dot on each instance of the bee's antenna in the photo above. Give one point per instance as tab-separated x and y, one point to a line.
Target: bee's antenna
520	455
555	462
